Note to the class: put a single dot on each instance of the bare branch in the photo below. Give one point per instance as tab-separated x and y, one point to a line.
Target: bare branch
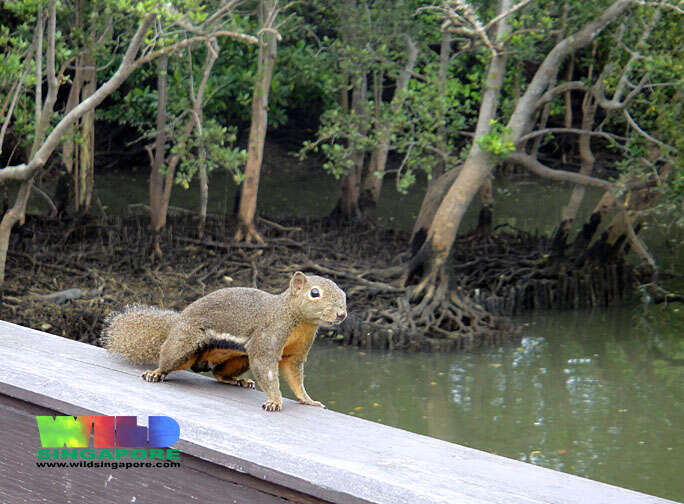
48	200
638	245
560	89
403	163
40	25
184	24
191	41
577	131
53	84
665	5
405	74
538	168
617	103
222	11
522	115
461	14
637	89
273	31
444	155
634	125
212	55
510	11
127	66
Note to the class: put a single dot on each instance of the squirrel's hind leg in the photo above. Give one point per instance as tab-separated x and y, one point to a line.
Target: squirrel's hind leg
160	373
173	356
228	371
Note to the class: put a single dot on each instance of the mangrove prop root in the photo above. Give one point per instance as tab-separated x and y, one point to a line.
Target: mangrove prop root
508	272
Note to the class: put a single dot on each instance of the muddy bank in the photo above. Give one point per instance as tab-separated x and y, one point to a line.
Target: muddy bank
64	277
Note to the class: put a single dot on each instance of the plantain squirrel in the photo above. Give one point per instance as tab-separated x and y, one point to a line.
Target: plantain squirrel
230	331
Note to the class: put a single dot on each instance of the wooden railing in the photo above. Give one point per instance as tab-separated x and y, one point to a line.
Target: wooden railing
229	446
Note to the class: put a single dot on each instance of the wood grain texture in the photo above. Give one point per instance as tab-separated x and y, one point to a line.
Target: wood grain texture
194	481
317	452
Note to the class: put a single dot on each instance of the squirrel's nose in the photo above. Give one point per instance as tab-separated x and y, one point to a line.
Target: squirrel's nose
341	316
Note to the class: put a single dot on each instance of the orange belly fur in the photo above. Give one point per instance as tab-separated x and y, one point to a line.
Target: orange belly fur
219	355
299	339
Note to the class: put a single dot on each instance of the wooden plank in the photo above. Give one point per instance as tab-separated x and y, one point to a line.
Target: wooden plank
194	481
322	453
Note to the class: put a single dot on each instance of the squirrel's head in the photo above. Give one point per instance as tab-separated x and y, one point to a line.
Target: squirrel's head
318	300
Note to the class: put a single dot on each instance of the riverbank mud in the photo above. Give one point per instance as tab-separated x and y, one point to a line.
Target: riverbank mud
65	276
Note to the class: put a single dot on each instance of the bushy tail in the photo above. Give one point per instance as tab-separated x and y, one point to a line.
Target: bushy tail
138	332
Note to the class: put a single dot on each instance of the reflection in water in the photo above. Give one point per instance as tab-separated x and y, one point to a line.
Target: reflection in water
532	206
580	394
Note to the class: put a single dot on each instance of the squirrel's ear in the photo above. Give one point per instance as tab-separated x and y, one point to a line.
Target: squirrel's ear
298	282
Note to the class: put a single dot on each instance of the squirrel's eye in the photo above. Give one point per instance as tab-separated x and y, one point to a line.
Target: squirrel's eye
315	293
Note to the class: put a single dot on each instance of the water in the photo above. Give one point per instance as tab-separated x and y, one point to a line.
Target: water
533	205
583	393
592	393
315	194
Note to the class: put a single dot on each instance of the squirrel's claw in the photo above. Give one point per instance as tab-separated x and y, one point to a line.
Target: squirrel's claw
239	382
247	383
153	376
311	402
272	406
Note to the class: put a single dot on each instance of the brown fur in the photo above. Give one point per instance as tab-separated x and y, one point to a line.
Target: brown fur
219	355
272	332
232	367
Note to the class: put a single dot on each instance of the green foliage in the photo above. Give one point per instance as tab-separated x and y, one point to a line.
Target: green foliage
220	154
497	141
15	40
328	48
340	135
370	44
653	110
106	29
427	114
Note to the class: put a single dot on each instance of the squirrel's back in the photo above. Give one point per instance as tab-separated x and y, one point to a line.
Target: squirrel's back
234	310
233	314
138	332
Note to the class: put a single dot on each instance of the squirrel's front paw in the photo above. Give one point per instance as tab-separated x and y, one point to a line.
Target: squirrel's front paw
240	382
311	402
153	376
272	405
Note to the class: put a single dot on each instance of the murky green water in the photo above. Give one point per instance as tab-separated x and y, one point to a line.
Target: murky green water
533	205
521	203
593	393
585	393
